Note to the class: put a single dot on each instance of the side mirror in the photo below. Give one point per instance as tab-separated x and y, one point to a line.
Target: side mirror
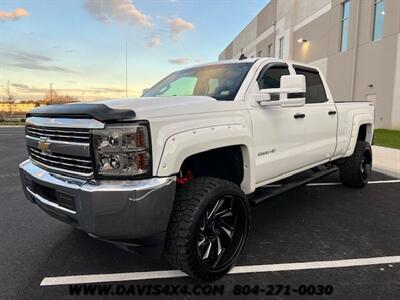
291	93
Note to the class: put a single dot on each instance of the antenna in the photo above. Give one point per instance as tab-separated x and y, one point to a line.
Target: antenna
126	69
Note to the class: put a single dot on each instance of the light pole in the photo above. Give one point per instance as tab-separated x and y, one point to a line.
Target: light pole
10	98
51	93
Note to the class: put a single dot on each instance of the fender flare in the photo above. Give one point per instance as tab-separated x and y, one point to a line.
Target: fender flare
182	145
358	121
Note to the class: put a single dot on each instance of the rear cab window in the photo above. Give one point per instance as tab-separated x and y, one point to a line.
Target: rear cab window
315	90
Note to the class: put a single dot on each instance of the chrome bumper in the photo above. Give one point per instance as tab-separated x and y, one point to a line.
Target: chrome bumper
115	210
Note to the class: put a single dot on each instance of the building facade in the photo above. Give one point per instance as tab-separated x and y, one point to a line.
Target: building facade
355	43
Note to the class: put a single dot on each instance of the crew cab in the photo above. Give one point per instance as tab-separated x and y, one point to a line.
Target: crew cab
175	171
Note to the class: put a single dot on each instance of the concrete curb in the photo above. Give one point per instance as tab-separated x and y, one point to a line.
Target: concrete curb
12	126
386	161
386	172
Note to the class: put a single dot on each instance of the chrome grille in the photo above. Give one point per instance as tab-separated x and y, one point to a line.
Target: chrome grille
62	163
66	151
59	134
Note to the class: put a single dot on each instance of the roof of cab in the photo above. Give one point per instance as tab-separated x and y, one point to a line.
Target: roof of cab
230	61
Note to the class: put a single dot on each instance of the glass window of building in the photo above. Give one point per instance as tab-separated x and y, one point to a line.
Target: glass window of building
281	45
344	44
270	50
379	18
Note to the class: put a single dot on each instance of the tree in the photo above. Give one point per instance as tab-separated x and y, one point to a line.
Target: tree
55	98
9	97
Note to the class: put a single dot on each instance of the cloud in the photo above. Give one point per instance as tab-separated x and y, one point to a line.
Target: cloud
28	57
23	88
121	11
32	61
179	61
178	27
13	15
36	66
125	12
20	86
184	60
26	92
107	90
153	41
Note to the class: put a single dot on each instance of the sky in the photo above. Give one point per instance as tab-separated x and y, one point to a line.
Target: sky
79	45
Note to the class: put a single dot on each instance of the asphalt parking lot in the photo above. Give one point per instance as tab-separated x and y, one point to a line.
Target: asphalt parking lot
327	223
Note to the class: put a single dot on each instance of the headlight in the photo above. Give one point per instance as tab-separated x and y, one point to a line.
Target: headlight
122	150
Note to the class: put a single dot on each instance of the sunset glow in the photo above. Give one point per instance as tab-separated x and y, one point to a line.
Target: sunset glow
79	46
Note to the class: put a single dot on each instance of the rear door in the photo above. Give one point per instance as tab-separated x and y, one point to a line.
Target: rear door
320	118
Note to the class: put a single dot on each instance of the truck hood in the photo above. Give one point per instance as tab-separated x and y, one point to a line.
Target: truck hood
153	107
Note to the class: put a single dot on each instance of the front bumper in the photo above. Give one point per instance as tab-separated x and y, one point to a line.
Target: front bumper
127	212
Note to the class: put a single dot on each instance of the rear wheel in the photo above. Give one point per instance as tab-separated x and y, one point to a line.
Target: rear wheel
208	228
356	169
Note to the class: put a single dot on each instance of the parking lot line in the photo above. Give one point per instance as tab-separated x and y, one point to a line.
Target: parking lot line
117	277
385	181
323	183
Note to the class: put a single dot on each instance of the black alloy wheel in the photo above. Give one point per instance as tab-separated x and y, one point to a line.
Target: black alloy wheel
221	233
208	227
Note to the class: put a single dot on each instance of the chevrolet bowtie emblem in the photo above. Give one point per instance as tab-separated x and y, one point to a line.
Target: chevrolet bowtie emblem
44	145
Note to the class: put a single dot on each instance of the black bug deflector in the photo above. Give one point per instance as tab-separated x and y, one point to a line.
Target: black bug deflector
100	112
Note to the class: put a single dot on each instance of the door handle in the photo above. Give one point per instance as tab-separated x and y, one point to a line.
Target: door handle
332	112
299	116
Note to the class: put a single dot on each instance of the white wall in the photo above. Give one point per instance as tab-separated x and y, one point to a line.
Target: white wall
246	37
396	92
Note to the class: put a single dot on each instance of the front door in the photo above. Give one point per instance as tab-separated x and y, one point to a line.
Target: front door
279	134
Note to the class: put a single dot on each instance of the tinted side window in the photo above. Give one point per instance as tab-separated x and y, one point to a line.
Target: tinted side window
315	90
270	77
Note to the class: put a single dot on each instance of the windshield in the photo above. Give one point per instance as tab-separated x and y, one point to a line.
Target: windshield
221	82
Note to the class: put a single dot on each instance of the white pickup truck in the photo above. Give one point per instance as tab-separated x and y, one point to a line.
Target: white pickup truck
176	170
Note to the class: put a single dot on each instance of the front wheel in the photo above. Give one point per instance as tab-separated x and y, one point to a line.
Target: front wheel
208	228
356	169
